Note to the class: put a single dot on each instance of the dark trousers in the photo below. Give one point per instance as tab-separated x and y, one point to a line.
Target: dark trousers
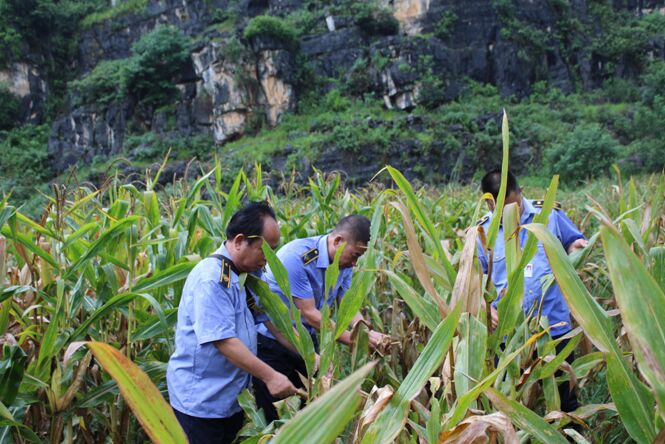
210	430
282	360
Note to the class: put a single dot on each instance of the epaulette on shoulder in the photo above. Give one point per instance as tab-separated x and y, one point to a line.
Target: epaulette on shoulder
482	220
540	203
225	276
310	256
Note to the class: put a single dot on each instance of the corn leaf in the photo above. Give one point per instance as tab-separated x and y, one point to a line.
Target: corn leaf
642	305
152	411
421	308
525	419
166	277
424	220
324	419
633	400
501	198
418	259
392	418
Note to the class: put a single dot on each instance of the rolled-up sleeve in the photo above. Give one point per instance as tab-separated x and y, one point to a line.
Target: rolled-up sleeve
214	313
481	256
567	231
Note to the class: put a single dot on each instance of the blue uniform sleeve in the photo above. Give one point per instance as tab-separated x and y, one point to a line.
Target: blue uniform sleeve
567	231
214	313
481	256
344	287
300	287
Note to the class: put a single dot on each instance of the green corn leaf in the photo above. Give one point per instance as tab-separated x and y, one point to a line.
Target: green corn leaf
363	282
634	402
48	346
12	367
464	402
114	303
324	419
417	303
5	214
642	304
657	255
424	220
501	198
525	419
29	243
471	349
274	307
392	418
103	243
151	410
332	272
164	278
418	259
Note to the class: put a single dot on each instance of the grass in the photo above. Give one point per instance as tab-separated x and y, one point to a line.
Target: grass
123	7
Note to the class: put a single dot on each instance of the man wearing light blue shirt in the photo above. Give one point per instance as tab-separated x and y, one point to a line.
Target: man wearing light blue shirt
552	304
215	342
306	261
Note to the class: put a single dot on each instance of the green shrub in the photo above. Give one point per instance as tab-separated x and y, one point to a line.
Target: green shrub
445	25
376	21
586	152
123	7
103	85
159	58
24	161
150	147
10	108
335	101
267	26
654	82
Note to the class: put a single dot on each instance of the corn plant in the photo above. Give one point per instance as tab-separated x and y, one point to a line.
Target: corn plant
89	294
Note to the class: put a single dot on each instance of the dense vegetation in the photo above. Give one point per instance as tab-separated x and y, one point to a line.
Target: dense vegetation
624	113
108	265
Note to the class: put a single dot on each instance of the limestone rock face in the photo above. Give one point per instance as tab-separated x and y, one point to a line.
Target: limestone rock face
24	81
224	92
409	13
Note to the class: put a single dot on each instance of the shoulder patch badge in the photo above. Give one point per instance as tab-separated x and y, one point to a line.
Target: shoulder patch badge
482	220
540	203
310	256
225	276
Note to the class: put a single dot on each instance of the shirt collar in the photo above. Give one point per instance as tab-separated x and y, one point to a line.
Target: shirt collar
527	211
225	252
322	245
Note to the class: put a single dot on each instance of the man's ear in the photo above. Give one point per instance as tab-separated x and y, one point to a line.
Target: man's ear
236	242
337	240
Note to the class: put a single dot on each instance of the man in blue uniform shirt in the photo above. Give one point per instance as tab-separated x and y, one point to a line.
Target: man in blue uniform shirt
306	261
215	339
554	306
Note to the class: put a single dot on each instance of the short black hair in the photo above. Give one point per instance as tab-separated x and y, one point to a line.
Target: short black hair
356	227
491	183
249	220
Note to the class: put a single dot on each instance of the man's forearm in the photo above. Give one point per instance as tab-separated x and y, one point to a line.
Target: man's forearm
239	355
280	337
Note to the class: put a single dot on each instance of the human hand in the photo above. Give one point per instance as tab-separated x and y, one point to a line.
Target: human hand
495	317
578	244
280	386
317	362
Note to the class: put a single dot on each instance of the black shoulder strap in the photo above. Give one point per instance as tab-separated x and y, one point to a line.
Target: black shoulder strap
310	256
225	280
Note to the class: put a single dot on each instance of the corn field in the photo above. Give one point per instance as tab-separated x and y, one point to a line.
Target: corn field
89	295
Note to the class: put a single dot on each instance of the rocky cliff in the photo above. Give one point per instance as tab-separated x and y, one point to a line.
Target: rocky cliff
231	81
